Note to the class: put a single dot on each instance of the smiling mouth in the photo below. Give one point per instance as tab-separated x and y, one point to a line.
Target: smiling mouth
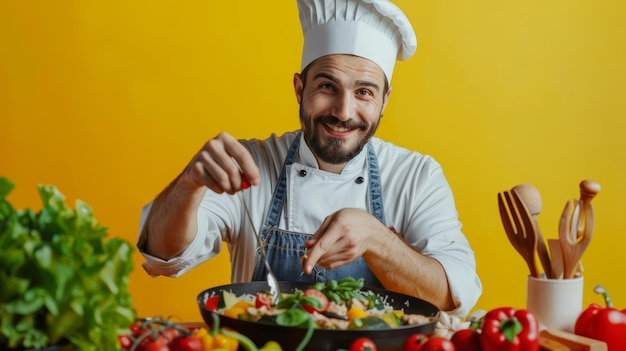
338	129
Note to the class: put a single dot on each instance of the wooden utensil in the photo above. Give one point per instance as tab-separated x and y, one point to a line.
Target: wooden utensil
519	232
546	344
556	258
530	196
574	247
588	190
573	341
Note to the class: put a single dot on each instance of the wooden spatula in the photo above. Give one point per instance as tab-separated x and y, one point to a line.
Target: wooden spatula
556	258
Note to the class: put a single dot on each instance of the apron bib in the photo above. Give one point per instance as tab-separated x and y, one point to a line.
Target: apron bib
285	248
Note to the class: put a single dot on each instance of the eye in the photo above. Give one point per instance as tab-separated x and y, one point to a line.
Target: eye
364	92
326	86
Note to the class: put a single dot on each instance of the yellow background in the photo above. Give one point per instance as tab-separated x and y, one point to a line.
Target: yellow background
109	100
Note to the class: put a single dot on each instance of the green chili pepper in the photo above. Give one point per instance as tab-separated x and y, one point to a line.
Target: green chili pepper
307	336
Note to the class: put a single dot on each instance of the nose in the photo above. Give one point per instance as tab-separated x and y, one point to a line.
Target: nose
344	107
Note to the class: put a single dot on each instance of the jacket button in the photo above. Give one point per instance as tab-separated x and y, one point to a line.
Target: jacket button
359	180
302	173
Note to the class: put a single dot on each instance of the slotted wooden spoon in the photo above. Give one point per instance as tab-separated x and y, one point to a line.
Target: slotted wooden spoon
519	231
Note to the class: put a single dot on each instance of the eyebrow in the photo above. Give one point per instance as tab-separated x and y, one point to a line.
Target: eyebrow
359	83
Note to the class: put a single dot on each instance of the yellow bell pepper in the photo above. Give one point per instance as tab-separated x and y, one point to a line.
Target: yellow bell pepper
225	342
271	346
206	338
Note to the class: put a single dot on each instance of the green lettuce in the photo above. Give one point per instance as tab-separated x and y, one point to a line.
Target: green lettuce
61	281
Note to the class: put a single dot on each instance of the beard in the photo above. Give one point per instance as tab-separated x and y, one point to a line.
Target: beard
331	149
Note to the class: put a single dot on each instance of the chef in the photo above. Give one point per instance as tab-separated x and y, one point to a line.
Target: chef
329	200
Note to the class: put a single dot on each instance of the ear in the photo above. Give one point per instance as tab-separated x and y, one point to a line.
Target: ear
386	99
297	86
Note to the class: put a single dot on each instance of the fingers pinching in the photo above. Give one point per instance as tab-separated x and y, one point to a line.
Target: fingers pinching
245	184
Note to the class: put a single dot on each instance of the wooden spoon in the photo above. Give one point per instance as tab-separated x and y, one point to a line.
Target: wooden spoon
531	197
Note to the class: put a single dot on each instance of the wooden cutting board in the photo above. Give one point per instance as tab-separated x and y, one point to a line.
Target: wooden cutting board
574	342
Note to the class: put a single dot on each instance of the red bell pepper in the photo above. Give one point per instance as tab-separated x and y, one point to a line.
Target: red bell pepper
508	329
606	324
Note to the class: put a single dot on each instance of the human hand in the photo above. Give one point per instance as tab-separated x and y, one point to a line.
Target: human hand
343	237
223	165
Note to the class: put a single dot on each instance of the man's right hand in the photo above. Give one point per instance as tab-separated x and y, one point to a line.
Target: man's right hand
223	165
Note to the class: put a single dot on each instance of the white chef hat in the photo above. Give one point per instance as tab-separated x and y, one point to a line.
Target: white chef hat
374	29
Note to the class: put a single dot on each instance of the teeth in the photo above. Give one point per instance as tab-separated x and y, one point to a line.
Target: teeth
337	128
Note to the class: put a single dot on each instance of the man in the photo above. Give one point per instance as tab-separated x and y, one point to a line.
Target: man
330	200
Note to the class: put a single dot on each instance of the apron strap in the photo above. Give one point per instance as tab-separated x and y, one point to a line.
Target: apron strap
278	197
375	188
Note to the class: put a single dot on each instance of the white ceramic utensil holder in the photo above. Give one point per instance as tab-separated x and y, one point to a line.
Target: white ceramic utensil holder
557	303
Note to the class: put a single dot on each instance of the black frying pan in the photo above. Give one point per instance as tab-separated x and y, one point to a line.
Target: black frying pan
323	340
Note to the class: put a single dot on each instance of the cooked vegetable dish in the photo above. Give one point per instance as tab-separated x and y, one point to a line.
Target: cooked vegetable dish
337	305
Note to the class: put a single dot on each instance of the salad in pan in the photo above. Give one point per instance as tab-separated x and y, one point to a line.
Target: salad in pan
335	305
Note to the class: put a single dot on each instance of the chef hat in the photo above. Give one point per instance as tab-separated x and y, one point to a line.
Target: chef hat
374	29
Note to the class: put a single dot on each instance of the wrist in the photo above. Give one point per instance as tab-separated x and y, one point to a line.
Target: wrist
380	243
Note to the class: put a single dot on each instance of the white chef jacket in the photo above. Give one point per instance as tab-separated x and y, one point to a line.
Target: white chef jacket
417	199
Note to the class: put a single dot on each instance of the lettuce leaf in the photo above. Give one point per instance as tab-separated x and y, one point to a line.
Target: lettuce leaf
62	280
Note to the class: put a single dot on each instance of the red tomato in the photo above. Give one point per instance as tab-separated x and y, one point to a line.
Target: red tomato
466	340
362	344
170	334
125	342
414	342
186	343
153	345
438	343
211	303
245	184
263	299
137	330
318	295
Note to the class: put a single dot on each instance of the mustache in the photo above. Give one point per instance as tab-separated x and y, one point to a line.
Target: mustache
330	119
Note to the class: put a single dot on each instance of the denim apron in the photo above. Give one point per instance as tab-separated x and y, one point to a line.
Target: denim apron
285	248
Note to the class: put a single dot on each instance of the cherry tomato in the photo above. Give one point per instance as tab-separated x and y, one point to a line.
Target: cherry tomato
170	334
466	340
211	303
438	343
153	345
263	299
318	295
187	343
363	344
137	330
125	342
245	184
414	342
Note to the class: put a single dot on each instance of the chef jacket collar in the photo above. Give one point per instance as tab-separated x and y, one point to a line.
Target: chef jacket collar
307	158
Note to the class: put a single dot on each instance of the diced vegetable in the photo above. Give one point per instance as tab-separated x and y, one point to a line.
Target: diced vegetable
227	300
369	322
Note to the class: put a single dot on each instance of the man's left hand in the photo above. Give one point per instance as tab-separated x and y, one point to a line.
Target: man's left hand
343	237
